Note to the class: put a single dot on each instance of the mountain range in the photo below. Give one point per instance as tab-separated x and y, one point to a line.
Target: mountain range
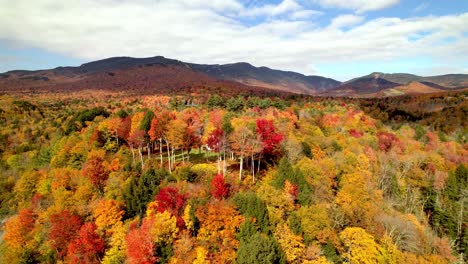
160	75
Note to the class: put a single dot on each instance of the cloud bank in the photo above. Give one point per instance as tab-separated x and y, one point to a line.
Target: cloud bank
284	36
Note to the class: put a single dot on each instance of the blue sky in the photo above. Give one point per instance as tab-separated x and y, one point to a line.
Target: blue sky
332	38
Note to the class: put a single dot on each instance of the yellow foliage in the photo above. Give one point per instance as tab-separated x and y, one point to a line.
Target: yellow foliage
291	244
201	256
360	247
117	250
314	221
187	219
107	213
164	227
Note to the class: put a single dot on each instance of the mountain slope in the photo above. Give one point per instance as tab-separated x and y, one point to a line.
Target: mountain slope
452	81
244	74
265	77
379	84
151	78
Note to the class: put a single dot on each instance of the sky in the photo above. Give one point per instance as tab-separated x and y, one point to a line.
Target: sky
340	39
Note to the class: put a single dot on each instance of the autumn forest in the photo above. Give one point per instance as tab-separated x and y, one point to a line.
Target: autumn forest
109	178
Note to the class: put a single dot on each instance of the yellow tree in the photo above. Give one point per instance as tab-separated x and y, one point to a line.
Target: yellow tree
219	222
360	246
239	140
291	244
107	213
358	196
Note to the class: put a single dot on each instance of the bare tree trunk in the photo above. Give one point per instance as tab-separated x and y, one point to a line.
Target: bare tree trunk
240	166
160	151
173	157
169	157
133	154
149	150
258	165
141	157
224	163
253	168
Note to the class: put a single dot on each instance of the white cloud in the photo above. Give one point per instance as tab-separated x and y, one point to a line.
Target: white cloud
359	6
96	29
346	21
421	7
304	14
272	10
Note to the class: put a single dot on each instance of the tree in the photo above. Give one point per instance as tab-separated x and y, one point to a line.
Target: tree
219	222
169	199
360	246
291	244
95	170
253	207
219	188
239	139
140	246
269	137
259	249
88	247
216	144
140	191
107	214
175	136
19	235
64	228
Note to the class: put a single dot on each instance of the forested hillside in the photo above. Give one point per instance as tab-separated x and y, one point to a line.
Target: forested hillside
155	179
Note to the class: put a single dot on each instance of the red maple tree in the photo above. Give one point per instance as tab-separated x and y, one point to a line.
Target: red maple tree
219	187
87	247
64	227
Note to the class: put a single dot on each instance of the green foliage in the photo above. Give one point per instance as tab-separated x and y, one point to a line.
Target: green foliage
79	119
251	206
330	252
122	113
184	174
294	223
286	172
260	249
141	190
246	231
306	150
215	101
145	124
24	106
235	104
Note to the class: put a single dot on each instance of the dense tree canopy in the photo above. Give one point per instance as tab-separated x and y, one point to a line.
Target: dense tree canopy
209	179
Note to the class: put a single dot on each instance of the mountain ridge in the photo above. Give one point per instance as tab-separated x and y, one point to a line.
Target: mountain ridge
239	75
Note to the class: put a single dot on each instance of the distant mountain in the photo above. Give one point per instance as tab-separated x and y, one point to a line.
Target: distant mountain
451	81
160	75
151	78
244	74
265	77
379	84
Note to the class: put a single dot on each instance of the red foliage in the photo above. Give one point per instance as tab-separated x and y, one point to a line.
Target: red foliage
140	247
293	190
96	172
354	133
137	138
64	227
268	135
219	188
87	247
124	128
387	141
215	140
169	199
